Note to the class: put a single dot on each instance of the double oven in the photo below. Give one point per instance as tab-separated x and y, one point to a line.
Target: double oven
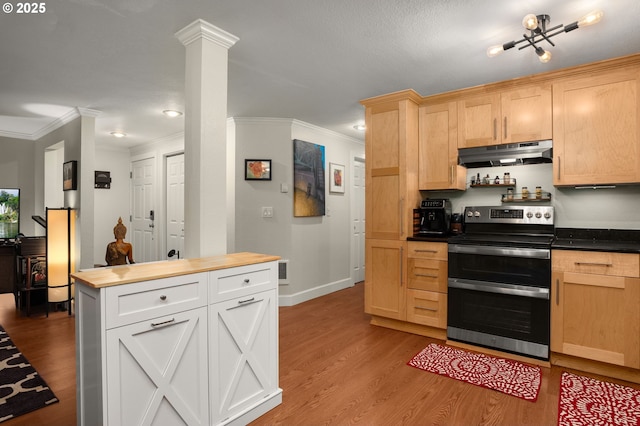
500	279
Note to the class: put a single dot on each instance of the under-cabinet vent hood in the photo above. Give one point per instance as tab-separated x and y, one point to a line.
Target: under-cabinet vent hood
507	155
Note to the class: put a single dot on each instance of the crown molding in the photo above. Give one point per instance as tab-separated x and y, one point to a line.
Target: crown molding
202	29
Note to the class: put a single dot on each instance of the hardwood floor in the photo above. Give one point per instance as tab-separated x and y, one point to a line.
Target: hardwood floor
335	368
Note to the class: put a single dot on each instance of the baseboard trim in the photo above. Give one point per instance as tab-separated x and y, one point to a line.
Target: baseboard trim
312	293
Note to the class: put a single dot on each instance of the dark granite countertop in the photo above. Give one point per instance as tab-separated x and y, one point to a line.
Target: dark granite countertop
614	240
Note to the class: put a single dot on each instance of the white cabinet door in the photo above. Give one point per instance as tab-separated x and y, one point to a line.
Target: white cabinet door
243	348
157	371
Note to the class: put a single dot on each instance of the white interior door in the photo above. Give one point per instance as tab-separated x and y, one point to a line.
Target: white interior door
175	206
357	218
143	236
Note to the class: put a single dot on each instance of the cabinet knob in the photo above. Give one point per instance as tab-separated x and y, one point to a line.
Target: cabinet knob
163	297
247	280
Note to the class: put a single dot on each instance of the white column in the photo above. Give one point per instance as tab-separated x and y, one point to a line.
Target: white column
205	153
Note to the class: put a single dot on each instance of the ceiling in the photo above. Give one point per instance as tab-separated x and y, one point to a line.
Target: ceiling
305	59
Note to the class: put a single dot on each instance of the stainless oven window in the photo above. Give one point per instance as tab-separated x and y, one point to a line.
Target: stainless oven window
520	266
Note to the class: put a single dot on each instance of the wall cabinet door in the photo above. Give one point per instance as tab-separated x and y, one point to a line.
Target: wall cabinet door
385	277
157	371
438	148
596	129
478	121
596	317
244	353
526	114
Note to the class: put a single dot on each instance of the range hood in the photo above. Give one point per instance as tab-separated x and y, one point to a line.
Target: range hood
507	155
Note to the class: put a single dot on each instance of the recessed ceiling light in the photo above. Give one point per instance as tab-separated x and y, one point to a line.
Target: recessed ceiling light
171	113
359	127
118	134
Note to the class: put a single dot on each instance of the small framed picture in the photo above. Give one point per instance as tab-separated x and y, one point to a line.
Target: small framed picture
70	175
336	176
257	169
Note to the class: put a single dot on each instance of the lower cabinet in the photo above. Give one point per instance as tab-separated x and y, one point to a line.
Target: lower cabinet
157	371
243	353
595	307
385	278
427	284
193	349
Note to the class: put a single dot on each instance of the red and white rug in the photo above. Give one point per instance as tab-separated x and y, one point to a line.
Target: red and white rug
504	375
588	401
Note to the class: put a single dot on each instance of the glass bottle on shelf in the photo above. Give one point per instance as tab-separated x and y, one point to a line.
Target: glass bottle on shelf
509	194
538	192
507	178
525	192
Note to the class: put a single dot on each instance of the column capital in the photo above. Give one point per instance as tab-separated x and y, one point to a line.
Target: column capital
202	29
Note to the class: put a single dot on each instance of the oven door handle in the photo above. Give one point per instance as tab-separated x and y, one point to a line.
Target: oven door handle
530	253
500	288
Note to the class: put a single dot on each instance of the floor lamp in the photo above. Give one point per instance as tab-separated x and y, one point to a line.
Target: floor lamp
61	254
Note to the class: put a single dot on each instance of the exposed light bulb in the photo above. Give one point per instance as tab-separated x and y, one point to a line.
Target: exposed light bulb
494	51
543	55
530	21
590	18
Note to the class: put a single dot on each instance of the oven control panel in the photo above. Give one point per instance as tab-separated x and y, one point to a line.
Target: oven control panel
542	215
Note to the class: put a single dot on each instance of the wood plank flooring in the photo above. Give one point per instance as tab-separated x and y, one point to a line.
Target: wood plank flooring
335	369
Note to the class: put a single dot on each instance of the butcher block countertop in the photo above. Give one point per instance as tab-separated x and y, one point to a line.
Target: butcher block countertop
125	274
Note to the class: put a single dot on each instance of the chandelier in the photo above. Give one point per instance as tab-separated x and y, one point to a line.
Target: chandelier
538	31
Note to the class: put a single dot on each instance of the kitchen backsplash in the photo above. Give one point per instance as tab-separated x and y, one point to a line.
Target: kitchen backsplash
616	208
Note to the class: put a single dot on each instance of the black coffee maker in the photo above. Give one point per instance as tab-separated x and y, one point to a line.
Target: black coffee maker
434	217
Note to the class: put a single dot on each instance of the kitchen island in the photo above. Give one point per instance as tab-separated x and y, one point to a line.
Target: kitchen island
189	341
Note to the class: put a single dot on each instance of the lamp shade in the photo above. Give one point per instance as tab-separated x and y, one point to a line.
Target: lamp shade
61	253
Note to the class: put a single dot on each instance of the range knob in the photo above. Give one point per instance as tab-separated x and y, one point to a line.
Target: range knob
477	214
547	215
538	215
469	213
529	215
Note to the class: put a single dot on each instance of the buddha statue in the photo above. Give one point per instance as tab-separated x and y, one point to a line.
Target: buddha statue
119	251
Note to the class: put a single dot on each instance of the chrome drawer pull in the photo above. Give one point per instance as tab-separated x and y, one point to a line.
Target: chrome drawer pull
426	275
158	324
163	297
240	302
424	308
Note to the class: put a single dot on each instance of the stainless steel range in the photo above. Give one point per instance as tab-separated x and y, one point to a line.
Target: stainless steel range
500	279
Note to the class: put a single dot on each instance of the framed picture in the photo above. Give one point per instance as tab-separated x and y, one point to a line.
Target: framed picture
69	175
308	179
257	169
336	176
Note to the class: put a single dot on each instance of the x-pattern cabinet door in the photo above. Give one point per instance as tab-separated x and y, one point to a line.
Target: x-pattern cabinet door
243	349
157	371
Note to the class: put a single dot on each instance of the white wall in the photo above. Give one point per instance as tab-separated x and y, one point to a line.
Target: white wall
318	248
110	204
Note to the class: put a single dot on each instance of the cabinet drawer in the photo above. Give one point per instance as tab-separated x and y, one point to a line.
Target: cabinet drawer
130	303
427	308
593	262
427	274
242	281
427	250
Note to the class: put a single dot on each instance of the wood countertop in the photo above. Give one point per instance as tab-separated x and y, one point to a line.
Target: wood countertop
125	274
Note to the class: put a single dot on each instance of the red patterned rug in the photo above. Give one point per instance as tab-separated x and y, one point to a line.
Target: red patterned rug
587	401
503	375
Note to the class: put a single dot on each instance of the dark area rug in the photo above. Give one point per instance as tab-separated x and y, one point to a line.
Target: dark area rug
22	390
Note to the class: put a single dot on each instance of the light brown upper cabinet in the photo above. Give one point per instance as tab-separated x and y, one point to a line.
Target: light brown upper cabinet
438	150
392	165
596	128
518	115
